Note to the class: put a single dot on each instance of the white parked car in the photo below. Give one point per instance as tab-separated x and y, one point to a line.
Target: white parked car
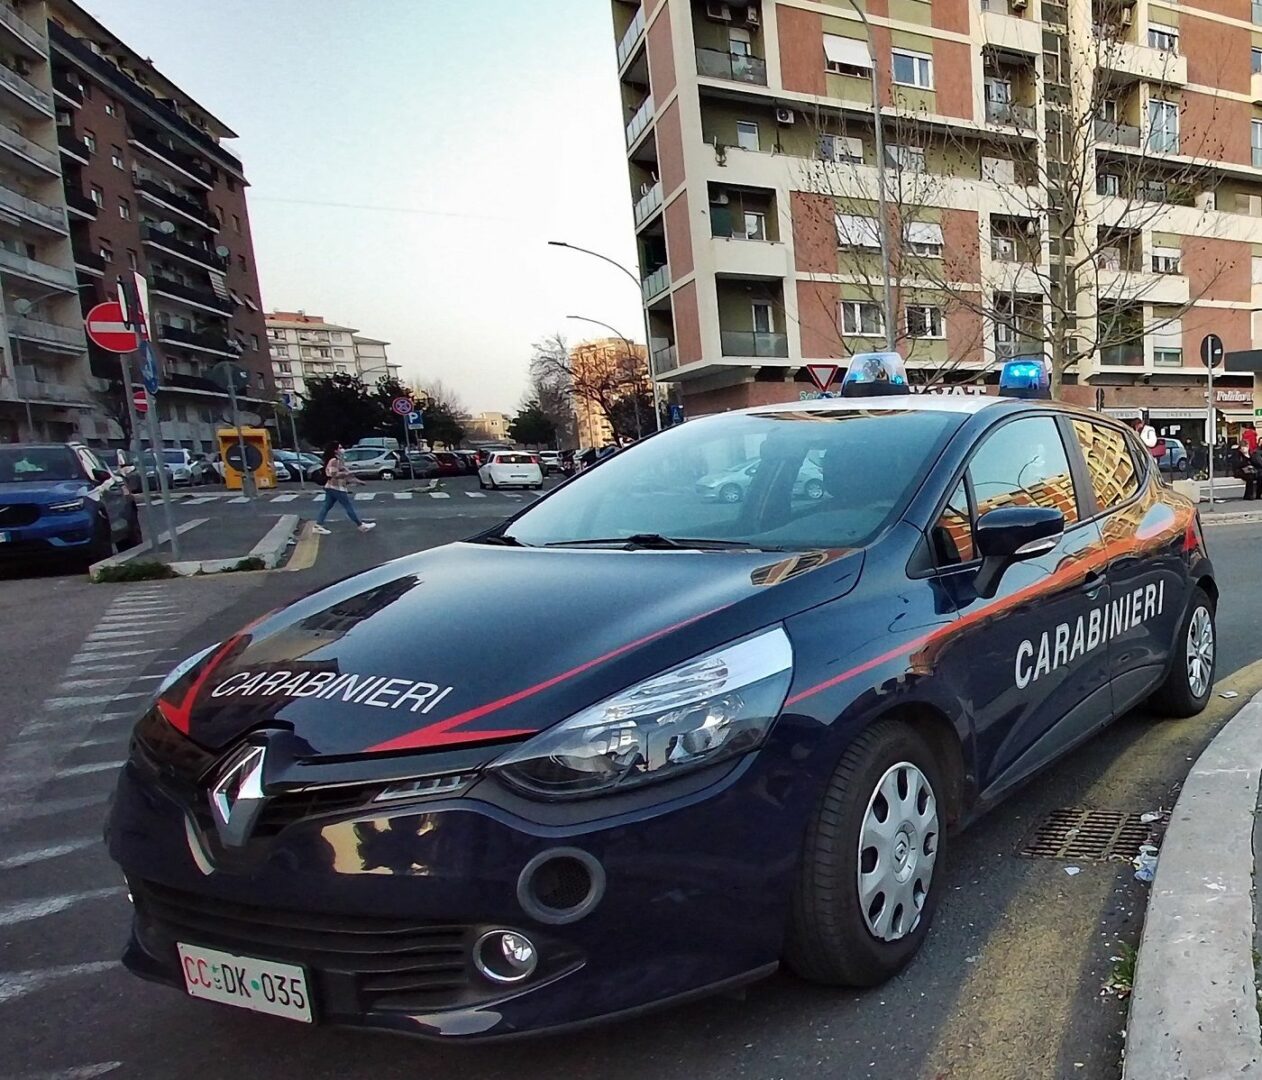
510	469
180	462
550	460
372	461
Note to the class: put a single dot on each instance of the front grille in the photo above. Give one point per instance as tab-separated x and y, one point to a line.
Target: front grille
286	808
13	515
361	962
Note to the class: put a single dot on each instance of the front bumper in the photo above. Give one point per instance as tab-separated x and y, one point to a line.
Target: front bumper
50	536
382	907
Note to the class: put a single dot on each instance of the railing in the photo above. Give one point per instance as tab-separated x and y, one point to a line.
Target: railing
632	35
37	390
32	93
753	343
199	255
35	211
1118	134
203	339
1005	112
79	201
39	271
666	359
647	203
642	118
1129	355
68	87
89	259
20	144
39	330
1161	141
656	282
174	199
717	64
72	144
1257	157
1006	350
185	162
33	36
178	289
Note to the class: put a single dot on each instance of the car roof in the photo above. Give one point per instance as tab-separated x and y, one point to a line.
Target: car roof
961	404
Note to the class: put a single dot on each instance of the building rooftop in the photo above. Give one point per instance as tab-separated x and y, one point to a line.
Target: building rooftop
300	320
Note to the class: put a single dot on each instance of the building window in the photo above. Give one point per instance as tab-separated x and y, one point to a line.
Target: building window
236	223
232	183
1165	38
325	354
106	253
747	134
755	226
862	319
284	367
1255	60
841	148
241	262
857	232
285	384
910	158
847	56
1255	141
89	140
1167	261
925	239
124	209
913	69
1167	357
116	157
110	108
131	259
339	352
1108	184
764	320
341	369
337	337
924	321
307	351
1163	126
254	342
97	194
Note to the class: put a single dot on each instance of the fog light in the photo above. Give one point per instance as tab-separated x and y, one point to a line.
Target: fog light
505	956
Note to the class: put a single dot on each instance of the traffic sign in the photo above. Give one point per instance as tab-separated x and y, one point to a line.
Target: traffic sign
1211	350
822	374
104	324
253	457
227	374
140	400
402	406
149	367
288	398
416	421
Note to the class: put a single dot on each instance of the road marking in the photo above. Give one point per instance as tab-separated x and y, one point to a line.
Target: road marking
198	500
50	807
510	495
76	1072
285	498
99	652
402	494
365	496
100	699
86	770
240	500
476	494
29	910
13	984
101	635
53	851
439	495
89	684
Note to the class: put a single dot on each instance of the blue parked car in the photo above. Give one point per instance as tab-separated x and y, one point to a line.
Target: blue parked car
60	501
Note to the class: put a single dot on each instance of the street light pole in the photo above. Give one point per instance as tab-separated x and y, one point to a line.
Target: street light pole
648	340
635	400
883	221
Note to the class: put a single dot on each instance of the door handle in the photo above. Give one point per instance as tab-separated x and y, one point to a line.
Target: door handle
1093	583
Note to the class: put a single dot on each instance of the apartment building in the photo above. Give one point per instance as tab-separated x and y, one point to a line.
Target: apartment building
149	186
594	362
372	360
305	347
46	387
487	426
751	150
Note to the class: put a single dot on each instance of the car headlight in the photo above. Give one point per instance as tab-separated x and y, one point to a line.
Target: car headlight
68	507
712	707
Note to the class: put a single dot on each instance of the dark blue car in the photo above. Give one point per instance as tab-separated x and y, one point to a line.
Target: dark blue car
634	745
60	501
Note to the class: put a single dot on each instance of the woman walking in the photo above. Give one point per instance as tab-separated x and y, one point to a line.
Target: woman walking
336	478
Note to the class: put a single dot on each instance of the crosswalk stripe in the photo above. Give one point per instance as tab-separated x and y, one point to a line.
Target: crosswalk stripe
365	496
439	495
199	500
85	770
239	500
79	700
402	494
14	984
26	910
26	858
476	494
285	498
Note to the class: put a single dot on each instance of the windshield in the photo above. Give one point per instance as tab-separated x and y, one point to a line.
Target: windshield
514	459
38	464
779	479
173	457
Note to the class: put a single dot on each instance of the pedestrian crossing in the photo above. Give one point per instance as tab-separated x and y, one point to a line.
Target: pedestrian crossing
361	496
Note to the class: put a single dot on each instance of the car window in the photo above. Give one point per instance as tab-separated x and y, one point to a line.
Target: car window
38	464
1114	478
1023	463
514	459
821	479
952	534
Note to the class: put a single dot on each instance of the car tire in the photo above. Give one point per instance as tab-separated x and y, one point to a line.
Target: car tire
132	537
102	545
730	493
830	938
1190	680
387	474
814	489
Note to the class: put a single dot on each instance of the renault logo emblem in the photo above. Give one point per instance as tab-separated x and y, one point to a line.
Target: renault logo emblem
237	795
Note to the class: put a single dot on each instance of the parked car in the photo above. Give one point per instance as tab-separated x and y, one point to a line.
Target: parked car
208	469
422	464
731	485
550	461
296	465
377	462
511	469
61	501
469	461
180	462
569	462
376	443
1175	459
448	464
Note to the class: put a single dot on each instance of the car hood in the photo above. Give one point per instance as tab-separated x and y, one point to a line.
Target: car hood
41	493
473	645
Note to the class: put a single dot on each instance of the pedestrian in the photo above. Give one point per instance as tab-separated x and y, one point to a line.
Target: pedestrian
1243	468
336	478
1249	436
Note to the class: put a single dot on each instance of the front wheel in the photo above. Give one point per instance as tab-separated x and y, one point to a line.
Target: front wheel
730	493
868	881
132	538
1191	678
814	489
102	546
387	474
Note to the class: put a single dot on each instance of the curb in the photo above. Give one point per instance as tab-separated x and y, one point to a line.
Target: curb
1194	1006
94	571
1232	517
271	549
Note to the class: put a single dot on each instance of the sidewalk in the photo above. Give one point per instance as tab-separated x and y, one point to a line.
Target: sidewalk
1195	1010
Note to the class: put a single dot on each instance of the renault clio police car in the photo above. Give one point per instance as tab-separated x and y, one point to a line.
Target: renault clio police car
710	737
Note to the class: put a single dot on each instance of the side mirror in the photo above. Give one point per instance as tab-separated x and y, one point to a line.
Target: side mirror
1011	534
102	476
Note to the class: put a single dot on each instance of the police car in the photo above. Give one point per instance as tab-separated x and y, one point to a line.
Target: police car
712	738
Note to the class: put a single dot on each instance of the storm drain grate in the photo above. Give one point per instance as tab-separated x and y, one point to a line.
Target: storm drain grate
1075	833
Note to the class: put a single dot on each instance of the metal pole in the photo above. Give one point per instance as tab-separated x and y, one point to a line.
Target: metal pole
883	221
293	430
247	475
26	401
159	467
1210	427
124	363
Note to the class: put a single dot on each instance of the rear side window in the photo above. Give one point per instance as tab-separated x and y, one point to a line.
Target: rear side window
1114	477
514	459
1023	463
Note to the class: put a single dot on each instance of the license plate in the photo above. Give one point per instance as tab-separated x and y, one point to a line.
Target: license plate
264	986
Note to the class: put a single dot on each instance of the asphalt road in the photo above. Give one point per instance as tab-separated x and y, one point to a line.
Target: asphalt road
1007	985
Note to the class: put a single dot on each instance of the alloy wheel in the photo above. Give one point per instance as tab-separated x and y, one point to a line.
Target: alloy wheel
1200	652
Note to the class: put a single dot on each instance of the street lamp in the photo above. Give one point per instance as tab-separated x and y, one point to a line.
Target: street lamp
635	398
648	341
883	222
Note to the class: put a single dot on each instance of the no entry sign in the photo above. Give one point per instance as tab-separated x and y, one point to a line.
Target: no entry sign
104	324
139	399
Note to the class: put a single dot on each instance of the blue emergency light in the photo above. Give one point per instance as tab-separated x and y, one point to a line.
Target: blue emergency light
1025	377
875	375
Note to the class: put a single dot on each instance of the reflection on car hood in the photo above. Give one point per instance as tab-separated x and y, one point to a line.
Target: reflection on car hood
470	644
41	491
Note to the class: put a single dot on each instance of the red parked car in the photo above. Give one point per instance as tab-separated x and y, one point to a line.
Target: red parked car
449	464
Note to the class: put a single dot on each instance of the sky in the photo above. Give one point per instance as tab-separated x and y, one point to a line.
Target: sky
408	167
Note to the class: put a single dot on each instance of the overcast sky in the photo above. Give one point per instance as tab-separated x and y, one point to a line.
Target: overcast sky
456	138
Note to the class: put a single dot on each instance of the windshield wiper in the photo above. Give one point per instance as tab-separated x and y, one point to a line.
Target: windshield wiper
658	542
503	540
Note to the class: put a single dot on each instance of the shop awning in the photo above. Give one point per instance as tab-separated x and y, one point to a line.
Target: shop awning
1158	414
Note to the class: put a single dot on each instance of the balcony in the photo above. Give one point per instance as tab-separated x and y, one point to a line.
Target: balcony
90	263
1140	286
28	156
736	67
34	270
1009	350
1162	141
1128	355
16	31
68	88
189	294
1143	62
173	200
1005	113
647	203
23	387
641	120
210	341
738	257
169	243
47	333
1117	134
657	282
626	46
28	97
186	165
29	210
666	359
72	146
1011	34
80	205
753	343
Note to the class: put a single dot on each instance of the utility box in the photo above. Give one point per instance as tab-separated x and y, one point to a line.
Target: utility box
258	454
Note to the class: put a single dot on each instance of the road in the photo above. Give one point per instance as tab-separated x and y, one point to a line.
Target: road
1008	983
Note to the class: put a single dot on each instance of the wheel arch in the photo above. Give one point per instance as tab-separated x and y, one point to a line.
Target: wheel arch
1209	586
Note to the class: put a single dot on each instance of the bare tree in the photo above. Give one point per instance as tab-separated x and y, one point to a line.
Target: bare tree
607	379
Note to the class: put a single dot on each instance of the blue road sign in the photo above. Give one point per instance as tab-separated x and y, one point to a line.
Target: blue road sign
676	414
288	398
416	421
148	367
